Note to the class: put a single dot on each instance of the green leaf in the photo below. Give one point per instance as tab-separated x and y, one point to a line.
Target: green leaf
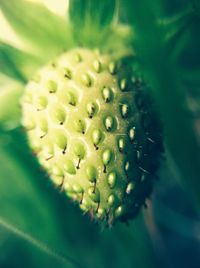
43	32
10	93
90	20
178	29
8	67
17	64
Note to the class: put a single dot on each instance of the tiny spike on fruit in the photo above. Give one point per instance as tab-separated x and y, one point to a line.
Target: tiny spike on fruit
97	66
107	94
95	133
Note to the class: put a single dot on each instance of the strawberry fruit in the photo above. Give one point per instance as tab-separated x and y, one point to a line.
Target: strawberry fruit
93	128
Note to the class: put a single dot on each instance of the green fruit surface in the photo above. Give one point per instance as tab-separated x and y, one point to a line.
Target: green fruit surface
91	126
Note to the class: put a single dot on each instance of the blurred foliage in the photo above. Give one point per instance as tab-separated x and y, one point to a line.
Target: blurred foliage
91	20
45	34
10	111
17	64
40	227
162	72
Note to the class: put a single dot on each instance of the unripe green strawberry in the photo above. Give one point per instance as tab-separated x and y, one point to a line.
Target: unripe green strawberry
91	125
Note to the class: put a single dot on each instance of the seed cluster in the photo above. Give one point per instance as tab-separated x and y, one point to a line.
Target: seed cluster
93	130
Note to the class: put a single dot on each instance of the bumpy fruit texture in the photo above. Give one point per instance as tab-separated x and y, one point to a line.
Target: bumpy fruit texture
92	127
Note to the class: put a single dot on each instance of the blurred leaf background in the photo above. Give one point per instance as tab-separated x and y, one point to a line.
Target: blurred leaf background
40	227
